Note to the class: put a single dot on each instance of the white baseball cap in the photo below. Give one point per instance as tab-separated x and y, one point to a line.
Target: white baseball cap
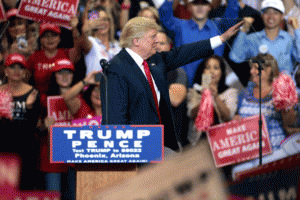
277	4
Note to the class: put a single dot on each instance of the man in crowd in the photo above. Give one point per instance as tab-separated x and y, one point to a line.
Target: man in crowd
199	27
275	41
137	88
178	87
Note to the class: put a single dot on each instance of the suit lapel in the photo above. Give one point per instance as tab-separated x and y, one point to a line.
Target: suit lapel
158	76
137	75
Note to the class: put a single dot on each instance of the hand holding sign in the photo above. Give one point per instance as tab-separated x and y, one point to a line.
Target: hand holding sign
74	22
238	141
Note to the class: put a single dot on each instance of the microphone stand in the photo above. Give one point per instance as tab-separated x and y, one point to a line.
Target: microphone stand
104	64
260	68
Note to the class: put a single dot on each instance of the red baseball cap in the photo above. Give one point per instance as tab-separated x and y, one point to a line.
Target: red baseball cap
15	58
63	64
11	13
49	27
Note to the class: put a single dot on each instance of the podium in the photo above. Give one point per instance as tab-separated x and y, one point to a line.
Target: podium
89	183
104	156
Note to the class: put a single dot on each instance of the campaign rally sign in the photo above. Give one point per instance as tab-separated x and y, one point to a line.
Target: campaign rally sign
106	144
2	12
58	12
10	170
30	195
278	180
94	121
33	195
238	141
58	110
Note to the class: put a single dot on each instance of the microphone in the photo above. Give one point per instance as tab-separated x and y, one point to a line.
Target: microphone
104	88
263	49
104	64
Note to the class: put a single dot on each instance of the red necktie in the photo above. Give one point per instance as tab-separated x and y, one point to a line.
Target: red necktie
150	81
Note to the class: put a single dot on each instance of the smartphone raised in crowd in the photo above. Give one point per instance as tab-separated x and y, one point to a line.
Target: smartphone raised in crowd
22	42
206	79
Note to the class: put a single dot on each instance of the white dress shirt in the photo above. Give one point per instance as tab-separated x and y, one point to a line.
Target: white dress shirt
139	61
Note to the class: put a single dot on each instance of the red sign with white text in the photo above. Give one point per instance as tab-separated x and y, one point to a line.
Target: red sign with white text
95	121
58	110
57	12
29	195
2	12
10	165
238	141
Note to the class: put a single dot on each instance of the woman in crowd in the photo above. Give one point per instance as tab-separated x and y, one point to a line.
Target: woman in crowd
248	105
61	80
41	62
16	39
20	136
62	77
225	98
98	37
86	104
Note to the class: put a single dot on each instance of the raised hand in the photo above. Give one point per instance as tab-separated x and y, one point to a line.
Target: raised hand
293	22
231	31
248	23
74	22
90	78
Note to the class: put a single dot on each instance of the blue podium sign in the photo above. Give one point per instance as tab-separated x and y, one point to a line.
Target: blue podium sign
107	144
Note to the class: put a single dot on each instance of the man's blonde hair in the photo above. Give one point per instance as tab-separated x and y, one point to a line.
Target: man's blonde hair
136	28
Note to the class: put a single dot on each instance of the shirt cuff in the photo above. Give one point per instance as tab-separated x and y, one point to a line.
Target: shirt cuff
215	42
158	3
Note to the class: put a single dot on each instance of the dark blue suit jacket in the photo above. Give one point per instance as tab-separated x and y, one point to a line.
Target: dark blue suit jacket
129	97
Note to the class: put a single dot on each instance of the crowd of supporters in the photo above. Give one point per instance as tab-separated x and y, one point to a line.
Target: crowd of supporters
39	60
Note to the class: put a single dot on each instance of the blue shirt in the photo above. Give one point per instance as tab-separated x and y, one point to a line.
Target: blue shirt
284	48
248	106
187	31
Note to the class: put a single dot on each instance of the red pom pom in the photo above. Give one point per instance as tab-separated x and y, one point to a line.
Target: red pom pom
205	116
5	105
284	92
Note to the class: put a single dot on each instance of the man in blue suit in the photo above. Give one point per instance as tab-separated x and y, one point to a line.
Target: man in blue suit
138	92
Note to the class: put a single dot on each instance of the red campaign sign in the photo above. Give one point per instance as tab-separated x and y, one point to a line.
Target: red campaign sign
95	121
2	12
58	110
238	141
58	12
9	171
30	195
